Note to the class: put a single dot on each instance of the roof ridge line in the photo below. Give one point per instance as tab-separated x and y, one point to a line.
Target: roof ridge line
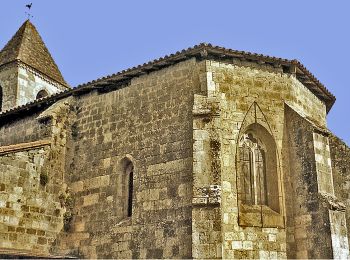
168	60
215	48
27	45
21	39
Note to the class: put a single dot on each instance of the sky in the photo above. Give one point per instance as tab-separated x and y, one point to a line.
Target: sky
90	39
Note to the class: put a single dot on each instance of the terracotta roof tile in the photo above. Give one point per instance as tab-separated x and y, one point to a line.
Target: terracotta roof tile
207	50
28	47
201	51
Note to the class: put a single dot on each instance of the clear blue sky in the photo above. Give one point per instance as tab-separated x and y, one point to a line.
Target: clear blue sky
89	39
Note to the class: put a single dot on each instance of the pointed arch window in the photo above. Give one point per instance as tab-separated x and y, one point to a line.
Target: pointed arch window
253	171
258	185
258	191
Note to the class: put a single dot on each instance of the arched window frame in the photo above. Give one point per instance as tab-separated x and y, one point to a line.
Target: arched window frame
254	179
129	177
269	213
264	181
127	186
42	93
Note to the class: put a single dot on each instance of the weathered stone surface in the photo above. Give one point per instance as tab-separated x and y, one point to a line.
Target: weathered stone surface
155	167
8	85
340	160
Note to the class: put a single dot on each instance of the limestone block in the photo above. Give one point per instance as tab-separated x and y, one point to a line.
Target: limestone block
77	186
90	199
237	245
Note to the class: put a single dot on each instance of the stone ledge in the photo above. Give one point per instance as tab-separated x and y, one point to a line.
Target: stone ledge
22	253
23	146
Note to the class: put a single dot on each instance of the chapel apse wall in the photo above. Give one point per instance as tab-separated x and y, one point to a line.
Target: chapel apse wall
231	89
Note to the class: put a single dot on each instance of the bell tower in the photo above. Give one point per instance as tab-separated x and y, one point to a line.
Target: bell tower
27	70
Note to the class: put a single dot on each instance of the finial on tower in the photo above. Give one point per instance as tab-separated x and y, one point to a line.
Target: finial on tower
29	6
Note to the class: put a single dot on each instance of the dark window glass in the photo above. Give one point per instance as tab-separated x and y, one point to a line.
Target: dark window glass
41	94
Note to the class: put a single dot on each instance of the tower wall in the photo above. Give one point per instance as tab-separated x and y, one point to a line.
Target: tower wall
30	82
27	67
21	84
8	83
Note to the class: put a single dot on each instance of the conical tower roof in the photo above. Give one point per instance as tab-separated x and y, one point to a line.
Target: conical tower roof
27	46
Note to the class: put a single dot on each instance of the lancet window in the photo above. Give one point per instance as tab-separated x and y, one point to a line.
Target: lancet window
253	171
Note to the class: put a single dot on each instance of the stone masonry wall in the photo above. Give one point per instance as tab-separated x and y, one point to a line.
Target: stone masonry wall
22	130
149	123
8	83
206	214
31	215
20	84
323	164
230	91
340	156
179	128
33	195
31	82
308	222
339	234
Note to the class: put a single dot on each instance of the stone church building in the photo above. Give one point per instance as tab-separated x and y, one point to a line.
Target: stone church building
205	153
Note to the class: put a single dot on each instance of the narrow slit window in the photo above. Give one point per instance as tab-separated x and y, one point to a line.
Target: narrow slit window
128	188
130	192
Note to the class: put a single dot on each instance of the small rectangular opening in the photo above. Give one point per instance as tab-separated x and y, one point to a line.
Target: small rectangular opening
285	69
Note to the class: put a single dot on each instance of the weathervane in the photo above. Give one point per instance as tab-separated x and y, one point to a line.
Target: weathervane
28	13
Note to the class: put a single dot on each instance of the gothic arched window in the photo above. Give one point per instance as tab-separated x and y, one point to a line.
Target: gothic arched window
257	178
41	94
253	171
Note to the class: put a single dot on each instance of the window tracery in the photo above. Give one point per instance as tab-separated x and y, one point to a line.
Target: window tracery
253	168
258	185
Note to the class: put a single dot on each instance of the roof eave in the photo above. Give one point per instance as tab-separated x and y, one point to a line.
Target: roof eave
201	51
